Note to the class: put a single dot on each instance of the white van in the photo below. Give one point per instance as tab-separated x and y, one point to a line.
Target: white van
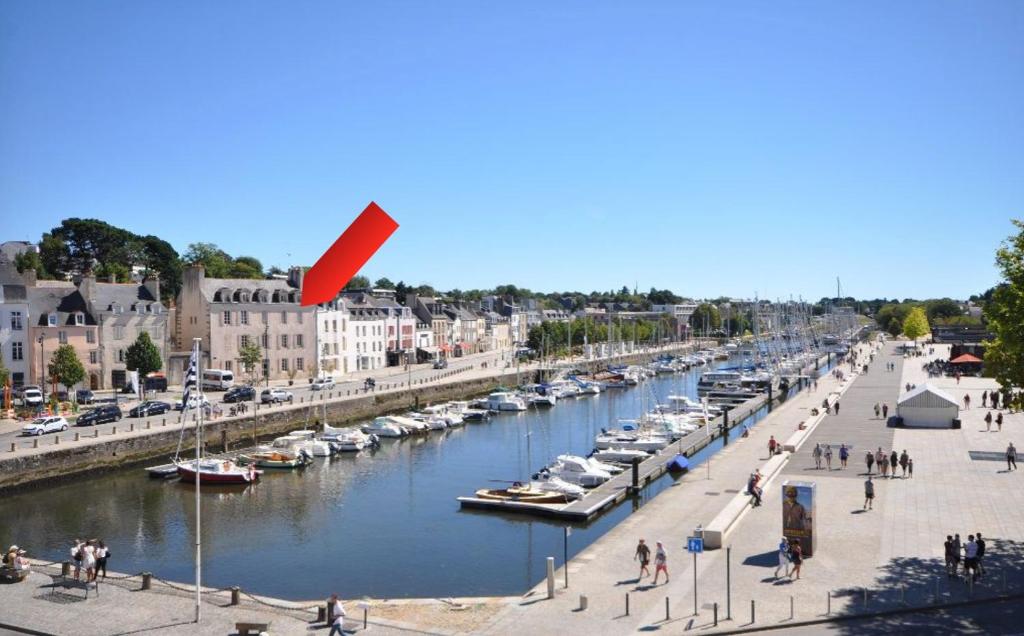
218	380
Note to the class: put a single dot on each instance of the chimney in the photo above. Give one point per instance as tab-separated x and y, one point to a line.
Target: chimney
87	287
295	275
28	277
152	285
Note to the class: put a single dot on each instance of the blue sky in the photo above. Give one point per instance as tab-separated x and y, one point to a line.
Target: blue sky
706	148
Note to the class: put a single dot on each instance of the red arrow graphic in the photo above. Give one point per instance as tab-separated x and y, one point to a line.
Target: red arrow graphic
350	252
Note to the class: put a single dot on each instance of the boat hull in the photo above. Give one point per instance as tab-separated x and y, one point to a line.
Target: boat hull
189	475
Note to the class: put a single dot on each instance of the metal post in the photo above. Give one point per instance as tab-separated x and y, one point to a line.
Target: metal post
147	580
366	613
235	595
865	597
667	617
791	607
728	584
551	577
828	603
627	603
565	554
752	614
716	614
694	583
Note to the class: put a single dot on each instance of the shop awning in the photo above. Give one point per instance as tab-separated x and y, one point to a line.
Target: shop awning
965	359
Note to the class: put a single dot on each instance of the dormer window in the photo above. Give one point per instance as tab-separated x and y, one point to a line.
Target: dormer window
51	320
79	319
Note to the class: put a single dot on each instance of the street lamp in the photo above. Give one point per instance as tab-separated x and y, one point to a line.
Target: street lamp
42	372
266	354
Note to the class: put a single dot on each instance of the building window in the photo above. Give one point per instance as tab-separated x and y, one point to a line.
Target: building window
243	341
284	317
93	357
327	349
118	332
265	317
300	363
326	325
16	351
16	321
227	365
243	317
265	341
298	340
335	325
51	320
120	355
62	337
284	341
284	364
227	317
90	336
299	314
335	348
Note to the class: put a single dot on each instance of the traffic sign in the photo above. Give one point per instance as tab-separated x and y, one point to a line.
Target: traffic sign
695	544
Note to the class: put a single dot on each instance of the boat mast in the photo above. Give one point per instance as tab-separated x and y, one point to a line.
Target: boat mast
199	453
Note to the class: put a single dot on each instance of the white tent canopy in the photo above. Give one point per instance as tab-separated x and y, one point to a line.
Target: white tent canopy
927	406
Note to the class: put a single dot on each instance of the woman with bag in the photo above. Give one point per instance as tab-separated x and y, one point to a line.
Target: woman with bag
102	554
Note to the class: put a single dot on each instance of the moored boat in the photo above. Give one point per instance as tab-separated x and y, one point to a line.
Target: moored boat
217	471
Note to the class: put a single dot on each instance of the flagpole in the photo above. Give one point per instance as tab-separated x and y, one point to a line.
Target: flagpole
199	446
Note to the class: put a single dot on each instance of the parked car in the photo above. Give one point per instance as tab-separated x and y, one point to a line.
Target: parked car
441	363
84	396
193	403
99	415
240	394
45	425
149	407
274	396
156	383
31	396
322	384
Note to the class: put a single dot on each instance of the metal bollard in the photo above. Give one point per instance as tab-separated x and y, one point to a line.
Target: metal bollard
903	594
551	577
627	603
96	432
148	425
147	580
14	446
716	614
131	427
235	595
56	440
667	617
752	614
321	614
791	607
113	430
35	443
78	436
583	602
65	569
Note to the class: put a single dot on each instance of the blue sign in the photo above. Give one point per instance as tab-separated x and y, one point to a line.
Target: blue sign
695	544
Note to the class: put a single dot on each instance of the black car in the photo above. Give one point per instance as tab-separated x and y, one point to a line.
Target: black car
240	394
84	396
99	415
149	408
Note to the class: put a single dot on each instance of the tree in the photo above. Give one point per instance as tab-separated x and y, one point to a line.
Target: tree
706	317
143	356
246	267
214	260
1004	354
31	260
942	308
250	354
915	324
358	282
5	373
65	367
384	283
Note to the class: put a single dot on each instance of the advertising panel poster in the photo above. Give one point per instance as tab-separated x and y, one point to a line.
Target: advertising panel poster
798	498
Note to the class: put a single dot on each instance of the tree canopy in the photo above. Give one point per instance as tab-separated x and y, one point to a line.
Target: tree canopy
1004	355
915	324
65	367
250	354
143	356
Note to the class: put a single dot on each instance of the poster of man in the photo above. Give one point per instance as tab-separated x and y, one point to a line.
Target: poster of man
798	513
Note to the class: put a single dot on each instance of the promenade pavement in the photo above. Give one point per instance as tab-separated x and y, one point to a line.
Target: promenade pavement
606	571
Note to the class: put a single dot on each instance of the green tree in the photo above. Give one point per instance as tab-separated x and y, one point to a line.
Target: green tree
246	267
1004	354
358	282
915	324
214	260
384	283
5	374
65	367
250	355
706	317
143	356
941	308
31	260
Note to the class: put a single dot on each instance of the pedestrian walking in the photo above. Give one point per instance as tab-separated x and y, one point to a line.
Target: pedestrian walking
752	488
1011	457
660	562
981	555
878	410
869	459
783	558
337	616
771	446
643	554
836	405
76	556
883	466
999	421
885	411
894	460
828	456
967	401
910	467
971	558
950	558
988	422
984	399
844	454
904	462
869	494
995	399
956	553
796	553
816	453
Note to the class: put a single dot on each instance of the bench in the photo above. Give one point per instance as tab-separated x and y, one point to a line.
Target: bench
244	628
716	531
66	582
11	575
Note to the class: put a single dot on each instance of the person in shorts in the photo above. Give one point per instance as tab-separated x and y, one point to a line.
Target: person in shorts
643	554
660	563
869	494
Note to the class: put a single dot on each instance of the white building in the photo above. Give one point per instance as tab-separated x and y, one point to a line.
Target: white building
365	339
15	345
331	327
927	407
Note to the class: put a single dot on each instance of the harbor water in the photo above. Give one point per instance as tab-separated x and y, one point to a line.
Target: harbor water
383	524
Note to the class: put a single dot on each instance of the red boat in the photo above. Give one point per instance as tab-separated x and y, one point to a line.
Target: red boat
218	471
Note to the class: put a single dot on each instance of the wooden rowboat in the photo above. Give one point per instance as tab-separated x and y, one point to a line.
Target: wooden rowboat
523	495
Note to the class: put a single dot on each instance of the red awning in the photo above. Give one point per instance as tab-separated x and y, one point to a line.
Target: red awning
445	347
464	345
965	359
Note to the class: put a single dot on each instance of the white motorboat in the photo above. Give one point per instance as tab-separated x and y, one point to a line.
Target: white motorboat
599	465
505	401
563	389
718	380
536	399
467	412
590	388
316	447
386	426
620	455
433	422
450	416
549	483
349	440
641	441
577	470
